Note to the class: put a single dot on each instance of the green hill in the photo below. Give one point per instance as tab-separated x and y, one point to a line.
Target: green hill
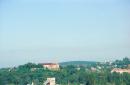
82	63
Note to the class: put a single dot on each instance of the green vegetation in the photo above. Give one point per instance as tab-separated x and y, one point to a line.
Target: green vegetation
72	74
83	63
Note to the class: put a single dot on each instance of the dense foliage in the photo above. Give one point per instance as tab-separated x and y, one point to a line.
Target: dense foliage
28	73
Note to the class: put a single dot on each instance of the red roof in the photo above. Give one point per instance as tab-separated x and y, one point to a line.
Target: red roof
49	63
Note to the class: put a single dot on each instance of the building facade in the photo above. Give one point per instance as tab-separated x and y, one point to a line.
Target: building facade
51	66
50	81
119	70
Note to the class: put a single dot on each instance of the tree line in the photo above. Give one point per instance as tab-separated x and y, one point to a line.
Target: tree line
30	72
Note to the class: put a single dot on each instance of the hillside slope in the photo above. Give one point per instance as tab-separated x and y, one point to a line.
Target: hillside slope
83	63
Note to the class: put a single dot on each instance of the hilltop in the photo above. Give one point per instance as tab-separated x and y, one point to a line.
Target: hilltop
81	63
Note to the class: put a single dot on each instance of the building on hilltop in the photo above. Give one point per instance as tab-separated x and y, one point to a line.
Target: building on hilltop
119	70
51	66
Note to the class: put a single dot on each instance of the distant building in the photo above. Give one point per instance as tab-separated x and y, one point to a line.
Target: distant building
93	69
31	83
51	66
50	81
119	70
99	67
78	68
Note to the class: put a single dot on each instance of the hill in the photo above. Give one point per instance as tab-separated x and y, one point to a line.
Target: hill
83	63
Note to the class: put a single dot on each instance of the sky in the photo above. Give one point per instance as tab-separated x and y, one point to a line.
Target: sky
63	30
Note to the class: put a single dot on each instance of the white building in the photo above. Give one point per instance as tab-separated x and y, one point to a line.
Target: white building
119	70
50	81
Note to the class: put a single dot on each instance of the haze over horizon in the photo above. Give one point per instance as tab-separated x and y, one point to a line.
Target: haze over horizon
63	30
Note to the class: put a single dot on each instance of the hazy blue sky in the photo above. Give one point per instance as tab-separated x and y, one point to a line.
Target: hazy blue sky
63	30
